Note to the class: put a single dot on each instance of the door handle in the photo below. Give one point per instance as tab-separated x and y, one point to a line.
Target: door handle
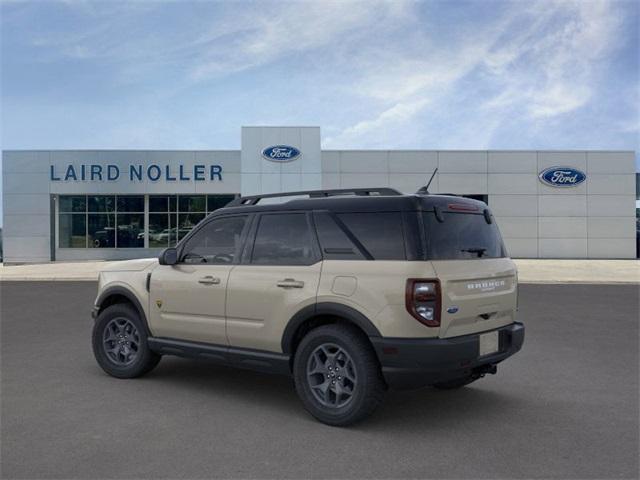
209	280
290	283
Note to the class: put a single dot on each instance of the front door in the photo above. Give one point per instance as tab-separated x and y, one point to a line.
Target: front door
187	300
279	277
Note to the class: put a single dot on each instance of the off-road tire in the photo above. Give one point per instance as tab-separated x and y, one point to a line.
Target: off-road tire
143	361
367	392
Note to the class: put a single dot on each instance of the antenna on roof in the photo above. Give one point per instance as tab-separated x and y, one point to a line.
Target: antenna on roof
425	190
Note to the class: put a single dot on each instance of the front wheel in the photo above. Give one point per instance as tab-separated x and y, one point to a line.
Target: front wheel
337	375
119	343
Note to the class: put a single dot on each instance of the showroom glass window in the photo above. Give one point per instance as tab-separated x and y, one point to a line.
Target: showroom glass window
72	221
130	221
101	221
118	221
171	217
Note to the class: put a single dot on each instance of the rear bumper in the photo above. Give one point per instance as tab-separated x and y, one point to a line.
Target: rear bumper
416	362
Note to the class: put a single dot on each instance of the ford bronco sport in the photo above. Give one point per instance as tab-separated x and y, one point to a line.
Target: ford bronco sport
350	292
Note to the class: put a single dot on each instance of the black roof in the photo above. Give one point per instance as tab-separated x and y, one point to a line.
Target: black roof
382	200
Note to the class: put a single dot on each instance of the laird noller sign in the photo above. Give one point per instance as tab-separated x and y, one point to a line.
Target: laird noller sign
135	173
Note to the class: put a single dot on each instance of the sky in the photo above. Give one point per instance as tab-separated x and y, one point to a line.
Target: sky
373	74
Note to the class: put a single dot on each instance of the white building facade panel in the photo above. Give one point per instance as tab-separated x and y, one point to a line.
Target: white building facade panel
585	206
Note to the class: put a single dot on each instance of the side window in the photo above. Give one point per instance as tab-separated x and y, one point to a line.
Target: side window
283	239
334	242
217	243
380	233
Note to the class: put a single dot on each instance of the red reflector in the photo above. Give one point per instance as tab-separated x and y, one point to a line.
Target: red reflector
390	350
461	207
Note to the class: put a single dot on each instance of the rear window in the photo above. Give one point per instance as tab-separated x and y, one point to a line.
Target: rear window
462	236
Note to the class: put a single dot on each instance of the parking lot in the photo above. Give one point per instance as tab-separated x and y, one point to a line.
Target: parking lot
566	406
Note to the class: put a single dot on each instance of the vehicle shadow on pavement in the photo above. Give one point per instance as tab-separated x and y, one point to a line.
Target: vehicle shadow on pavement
275	394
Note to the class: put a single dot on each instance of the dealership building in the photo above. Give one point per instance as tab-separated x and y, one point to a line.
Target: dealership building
117	204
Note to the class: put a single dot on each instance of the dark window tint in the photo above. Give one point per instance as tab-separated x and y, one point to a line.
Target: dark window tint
158	203
462	236
218	201
133	203
334	242
186	222
130	233
192	203
218	242
72	230
101	229
163	231
69	203
283	239
102	203
379	233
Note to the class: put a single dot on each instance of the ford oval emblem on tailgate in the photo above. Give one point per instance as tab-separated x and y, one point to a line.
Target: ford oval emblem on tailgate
452	310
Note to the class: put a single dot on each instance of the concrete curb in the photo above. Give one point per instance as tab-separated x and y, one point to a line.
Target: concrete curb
47	279
545	272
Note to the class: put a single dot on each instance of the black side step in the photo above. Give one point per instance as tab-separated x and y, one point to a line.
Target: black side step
259	360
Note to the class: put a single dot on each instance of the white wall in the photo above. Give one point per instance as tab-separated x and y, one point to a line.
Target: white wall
595	219
260	175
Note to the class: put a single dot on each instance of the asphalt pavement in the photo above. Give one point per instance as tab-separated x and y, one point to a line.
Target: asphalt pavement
565	407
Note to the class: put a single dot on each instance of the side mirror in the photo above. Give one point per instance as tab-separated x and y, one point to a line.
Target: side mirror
169	256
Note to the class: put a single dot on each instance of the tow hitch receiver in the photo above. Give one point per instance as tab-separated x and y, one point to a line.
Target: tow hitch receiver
482	370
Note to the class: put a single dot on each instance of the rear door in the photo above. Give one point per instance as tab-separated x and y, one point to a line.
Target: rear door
478	281
278	276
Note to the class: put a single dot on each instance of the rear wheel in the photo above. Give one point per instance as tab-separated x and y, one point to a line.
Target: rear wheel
119	343
337	375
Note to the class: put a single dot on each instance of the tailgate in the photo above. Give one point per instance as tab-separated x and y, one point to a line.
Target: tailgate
477	294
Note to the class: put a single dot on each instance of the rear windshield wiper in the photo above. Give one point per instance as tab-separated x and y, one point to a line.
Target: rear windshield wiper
478	251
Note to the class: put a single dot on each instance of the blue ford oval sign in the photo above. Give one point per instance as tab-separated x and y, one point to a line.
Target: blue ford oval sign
281	153
562	177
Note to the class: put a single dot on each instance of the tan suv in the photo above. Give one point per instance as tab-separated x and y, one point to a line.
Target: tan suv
349	291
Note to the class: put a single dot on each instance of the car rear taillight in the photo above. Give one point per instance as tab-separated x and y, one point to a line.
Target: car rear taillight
423	301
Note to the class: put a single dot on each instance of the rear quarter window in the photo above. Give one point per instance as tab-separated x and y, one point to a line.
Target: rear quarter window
381	234
335	241
462	236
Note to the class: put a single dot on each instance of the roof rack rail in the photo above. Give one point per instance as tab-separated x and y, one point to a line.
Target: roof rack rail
360	192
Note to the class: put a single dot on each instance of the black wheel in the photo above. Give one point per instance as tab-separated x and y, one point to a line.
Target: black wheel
337	375
120	343
453	384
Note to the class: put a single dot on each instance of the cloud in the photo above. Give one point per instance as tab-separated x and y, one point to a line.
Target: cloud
253	38
540	60
229	38
550	68
396	74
